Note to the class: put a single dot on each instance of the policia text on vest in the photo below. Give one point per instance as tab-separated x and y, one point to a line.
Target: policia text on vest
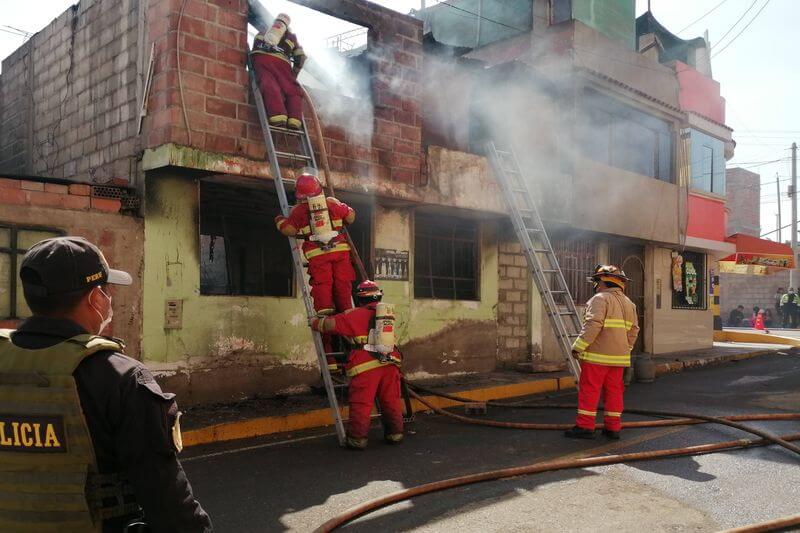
32	434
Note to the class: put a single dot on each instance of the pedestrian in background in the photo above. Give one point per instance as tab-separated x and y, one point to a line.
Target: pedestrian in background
778	314
736	316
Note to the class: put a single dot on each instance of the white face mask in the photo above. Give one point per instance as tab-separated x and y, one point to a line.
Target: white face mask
104	322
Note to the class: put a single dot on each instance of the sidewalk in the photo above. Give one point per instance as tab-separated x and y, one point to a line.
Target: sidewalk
245	419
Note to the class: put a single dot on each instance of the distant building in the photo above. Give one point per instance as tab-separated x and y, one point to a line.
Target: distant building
743	196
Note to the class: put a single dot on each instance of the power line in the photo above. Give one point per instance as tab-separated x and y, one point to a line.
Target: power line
521	30
743	29
737	22
704	16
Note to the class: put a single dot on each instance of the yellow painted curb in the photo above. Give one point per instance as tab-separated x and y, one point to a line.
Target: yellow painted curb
753	337
258	427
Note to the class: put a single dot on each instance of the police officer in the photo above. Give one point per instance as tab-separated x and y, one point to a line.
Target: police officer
88	440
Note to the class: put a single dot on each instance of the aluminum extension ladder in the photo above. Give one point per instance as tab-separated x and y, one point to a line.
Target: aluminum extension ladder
542	261
306	157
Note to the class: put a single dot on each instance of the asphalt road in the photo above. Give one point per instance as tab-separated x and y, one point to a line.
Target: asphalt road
296	482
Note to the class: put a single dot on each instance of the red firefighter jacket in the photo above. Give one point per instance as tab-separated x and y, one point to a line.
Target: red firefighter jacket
288	48
300	218
354	325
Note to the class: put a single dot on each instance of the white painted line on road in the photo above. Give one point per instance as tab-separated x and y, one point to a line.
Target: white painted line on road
256	447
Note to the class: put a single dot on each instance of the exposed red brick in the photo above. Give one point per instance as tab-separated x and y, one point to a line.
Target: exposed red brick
248	113
227	5
380	172
56	188
31	185
106	204
406	147
195	26
411	105
408	118
230	128
192	63
72	201
231	91
387	128
234	56
403	176
200	84
386	113
219	143
197	46
79	189
411	133
201	10
215	106
405	59
9	184
221	71
13	196
232	19
226	36
388	99
384	142
338	148
48	199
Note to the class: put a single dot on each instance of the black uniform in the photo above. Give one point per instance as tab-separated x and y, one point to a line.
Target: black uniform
130	420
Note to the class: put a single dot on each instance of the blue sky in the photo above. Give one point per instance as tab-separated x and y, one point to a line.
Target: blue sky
758	71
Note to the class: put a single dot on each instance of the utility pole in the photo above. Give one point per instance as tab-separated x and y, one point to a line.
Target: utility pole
778	186
792	273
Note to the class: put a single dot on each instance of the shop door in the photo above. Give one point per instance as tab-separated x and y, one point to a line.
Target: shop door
631	259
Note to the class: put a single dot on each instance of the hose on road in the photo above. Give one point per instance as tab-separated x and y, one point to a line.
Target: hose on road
538	468
678	419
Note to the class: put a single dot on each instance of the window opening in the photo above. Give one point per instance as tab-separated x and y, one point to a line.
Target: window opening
446	258
14	244
241	251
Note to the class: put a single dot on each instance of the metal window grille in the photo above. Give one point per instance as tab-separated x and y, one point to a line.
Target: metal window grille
446	258
577	258
15	241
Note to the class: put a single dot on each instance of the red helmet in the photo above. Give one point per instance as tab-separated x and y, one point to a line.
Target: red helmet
307	184
369	290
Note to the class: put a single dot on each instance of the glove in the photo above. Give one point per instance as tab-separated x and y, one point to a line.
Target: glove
279	220
335	200
576	354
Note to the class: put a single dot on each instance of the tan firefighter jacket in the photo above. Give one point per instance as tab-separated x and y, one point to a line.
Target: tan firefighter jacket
609	330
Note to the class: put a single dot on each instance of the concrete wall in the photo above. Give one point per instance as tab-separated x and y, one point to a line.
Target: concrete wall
73	210
68	96
235	346
743	195
749	291
668	329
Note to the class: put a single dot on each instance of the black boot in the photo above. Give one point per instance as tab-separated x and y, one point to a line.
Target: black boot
579	433
614	435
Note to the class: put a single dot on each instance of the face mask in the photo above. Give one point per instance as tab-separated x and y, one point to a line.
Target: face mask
104	322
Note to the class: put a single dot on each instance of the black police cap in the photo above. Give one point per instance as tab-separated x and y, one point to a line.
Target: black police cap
67	264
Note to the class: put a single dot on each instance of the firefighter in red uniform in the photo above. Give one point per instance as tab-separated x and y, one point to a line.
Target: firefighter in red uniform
604	346
373	364
319	221
277	59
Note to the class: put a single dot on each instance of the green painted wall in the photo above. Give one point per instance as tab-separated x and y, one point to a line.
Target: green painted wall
212	325
616	19
235	325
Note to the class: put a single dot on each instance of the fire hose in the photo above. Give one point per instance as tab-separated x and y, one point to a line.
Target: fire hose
551	466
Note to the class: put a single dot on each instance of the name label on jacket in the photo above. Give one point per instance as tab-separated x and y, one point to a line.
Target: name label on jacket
32	434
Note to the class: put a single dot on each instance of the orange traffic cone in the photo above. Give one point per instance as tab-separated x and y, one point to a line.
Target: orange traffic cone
759	325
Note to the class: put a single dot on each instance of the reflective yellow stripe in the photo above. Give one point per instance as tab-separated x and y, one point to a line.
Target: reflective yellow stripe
580	344
341	247
337	224
360	339
369	365
305	230
612	414
587	413
617	323
605	359
333	366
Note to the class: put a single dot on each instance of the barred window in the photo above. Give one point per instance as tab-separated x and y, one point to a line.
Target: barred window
692	293
577	259
14	243
446	258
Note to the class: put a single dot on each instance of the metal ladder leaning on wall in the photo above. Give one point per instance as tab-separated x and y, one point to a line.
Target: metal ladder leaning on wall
306	158
538	250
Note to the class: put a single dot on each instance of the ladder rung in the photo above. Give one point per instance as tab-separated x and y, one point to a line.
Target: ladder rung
286	131
565	313
521	191
542	251
292	156
549	271
501	152
558	292
534	230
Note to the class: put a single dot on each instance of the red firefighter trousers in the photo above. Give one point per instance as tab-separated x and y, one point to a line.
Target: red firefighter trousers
384	382
332	278
279	88
597	379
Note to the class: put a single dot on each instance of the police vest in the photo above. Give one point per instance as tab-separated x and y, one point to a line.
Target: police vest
48	469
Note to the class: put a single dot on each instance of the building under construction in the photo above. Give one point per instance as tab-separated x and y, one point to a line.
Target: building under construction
132	123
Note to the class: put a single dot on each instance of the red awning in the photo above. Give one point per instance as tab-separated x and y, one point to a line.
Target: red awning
756	256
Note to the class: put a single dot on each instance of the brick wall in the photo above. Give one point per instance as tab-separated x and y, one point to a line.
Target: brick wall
219	107
513	338
77	210
68	95
743	192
